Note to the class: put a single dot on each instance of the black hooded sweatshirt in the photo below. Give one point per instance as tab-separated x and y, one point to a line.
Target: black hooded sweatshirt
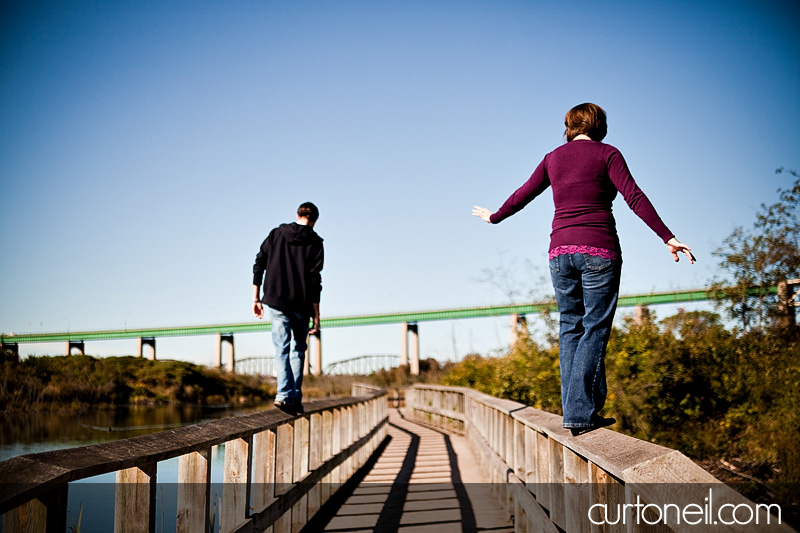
292	258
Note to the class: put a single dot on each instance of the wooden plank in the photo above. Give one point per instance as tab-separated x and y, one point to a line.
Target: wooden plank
336	446
135	500
577	492
537	519
263	487
543	493
300	514
508	440
315	441
235	490
327	453
25	477
300	454
284	458
692	488
643	521
47	513
30	516
609	493
530	460
194	491
557	511
520	451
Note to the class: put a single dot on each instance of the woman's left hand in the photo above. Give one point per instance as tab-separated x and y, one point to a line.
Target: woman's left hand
482	213
676	246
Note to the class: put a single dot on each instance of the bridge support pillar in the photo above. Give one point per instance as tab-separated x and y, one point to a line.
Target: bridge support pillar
788	299
641	314
147	341
10	352
414	331
230	364
75	344
315	353
518	323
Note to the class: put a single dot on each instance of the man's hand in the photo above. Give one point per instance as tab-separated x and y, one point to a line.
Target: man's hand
315	326
258	309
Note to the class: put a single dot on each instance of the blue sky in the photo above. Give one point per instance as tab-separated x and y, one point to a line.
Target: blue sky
147	148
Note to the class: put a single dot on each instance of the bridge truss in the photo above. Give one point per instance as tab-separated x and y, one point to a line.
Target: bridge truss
256	366
363	365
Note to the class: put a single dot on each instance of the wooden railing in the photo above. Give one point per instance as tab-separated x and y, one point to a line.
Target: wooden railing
288	467
550	481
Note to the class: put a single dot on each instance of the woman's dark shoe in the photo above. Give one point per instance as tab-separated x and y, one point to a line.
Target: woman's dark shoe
597	423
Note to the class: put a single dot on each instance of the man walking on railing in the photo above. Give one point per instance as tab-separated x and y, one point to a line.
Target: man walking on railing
292	257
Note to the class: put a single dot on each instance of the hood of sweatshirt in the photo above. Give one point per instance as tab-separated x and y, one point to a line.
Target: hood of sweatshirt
298	234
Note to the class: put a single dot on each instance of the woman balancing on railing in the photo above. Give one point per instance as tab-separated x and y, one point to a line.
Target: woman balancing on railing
585	255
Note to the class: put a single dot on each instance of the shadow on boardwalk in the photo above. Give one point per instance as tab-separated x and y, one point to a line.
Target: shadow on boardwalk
419	480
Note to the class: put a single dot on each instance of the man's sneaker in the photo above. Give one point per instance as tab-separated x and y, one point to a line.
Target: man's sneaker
286	407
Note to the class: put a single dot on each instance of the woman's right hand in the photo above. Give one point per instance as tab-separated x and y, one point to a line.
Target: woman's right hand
676	246
482	213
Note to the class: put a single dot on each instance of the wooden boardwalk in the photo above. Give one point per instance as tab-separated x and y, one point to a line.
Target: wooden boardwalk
424	480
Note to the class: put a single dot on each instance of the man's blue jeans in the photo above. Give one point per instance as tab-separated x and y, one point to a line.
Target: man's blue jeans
586	288
289	359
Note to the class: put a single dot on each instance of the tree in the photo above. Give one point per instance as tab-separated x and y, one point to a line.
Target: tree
757	259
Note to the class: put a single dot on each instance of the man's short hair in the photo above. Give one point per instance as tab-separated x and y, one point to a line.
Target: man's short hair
309	211
588	119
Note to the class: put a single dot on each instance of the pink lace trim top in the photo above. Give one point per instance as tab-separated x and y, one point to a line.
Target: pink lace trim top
583	249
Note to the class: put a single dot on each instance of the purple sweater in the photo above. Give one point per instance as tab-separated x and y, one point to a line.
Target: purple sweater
585	176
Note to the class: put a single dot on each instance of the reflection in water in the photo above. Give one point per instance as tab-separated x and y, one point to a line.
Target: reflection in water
38	432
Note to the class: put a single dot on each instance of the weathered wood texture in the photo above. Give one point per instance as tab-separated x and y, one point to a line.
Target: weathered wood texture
194	474
551	480
272	459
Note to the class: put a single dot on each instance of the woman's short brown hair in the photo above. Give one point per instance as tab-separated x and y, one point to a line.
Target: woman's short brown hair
588	119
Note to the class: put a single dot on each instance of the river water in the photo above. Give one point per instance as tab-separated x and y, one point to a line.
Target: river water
91	501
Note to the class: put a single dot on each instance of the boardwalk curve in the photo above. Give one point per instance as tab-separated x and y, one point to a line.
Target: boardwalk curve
424	480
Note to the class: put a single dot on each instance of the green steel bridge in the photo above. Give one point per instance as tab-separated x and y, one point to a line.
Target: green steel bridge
658	298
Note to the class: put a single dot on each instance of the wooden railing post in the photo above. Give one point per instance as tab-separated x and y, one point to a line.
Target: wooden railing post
300	471
135	500
48	513
327	452
284	462
263	469
236	488
315	460
194	491
577	492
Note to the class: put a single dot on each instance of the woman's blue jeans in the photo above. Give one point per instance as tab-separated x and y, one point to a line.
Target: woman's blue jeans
289	359
586	288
